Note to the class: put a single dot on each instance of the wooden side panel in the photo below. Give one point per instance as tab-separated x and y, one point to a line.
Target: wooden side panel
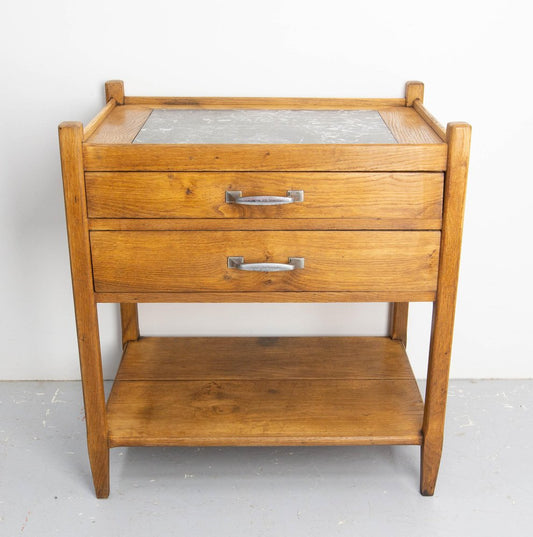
196	261
396	197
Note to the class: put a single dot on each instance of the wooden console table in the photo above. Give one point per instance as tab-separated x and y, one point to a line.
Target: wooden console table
264	200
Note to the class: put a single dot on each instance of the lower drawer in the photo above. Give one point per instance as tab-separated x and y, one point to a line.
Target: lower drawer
197	261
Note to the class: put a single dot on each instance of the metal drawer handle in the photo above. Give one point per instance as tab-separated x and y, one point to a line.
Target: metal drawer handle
238	263
235	196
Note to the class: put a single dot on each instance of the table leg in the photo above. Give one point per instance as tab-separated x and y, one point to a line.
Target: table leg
93	394
458	136
129	317
70	140
399	314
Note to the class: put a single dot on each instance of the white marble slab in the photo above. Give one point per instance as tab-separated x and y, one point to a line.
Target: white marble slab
264	127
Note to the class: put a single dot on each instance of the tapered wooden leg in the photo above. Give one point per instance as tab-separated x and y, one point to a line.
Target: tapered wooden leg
399	314
436	395
458	137
93	393
70	139
430	454
129	317
94	398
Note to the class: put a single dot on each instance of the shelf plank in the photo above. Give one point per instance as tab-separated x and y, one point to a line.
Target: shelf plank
264	412
264	391
250	358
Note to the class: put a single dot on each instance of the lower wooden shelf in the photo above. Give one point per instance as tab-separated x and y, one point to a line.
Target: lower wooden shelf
264	391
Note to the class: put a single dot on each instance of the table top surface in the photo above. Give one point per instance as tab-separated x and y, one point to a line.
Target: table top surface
171	126
199	125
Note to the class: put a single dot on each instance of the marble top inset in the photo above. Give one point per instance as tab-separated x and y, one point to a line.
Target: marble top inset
172	126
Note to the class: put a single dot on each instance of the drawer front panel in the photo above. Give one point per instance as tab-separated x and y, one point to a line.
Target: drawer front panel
197	261
392	196
404	157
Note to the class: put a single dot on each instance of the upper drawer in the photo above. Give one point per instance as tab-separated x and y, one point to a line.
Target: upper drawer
405	200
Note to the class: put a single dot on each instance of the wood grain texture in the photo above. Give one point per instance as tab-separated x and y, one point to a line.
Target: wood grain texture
408	127
264	413
241	399
162	232
256	358
422	111
458	135
70	140
259	103
286	296
399	315
196	260
129	320
261	224
91	127
114	89
120	126
368	196
413	90
265	157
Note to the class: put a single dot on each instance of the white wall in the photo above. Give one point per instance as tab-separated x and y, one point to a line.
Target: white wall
474	58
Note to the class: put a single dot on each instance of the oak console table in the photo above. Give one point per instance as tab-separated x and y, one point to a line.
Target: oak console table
264	200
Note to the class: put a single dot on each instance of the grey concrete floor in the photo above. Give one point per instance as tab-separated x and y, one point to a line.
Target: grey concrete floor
485	484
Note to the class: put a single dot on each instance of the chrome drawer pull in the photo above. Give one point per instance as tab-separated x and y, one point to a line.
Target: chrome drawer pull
235	196
238	263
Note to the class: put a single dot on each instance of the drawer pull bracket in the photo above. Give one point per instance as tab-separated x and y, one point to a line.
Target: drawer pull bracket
235	196
238	263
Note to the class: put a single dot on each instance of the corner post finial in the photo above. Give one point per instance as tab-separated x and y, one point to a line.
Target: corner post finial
413	90
114	89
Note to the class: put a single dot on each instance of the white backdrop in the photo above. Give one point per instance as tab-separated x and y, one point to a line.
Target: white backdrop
473	57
